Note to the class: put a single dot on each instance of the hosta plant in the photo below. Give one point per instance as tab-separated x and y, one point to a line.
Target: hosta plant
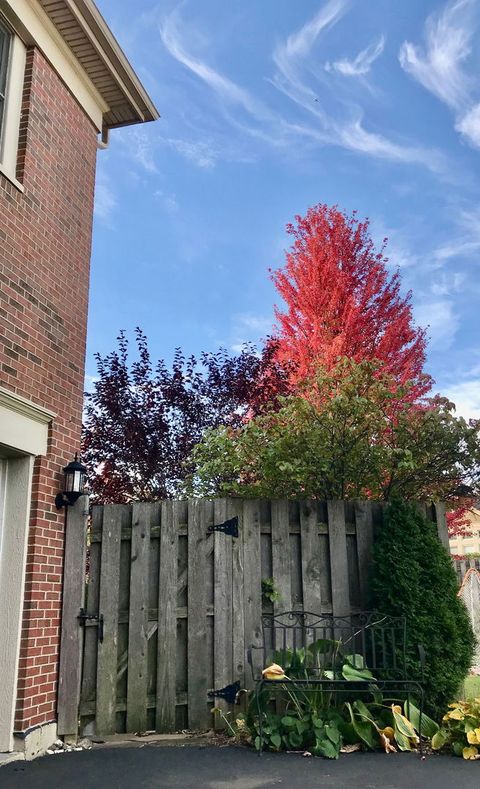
460	729
308	717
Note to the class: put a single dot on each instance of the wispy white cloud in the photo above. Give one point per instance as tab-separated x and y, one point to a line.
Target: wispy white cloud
447	284
293	77
249	328
201	153
169	201
447	44
89	382
105	200
229	91
440	65
465	240
361	65
255	323
141	143
469	125
300	43
441	321
296	76
466	396
353	135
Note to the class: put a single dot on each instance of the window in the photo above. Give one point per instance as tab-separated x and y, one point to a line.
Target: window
12	73
4	52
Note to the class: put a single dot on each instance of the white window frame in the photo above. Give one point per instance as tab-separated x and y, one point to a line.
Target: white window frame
12	110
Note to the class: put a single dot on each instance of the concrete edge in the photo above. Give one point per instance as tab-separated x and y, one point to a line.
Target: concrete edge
35	742
12	756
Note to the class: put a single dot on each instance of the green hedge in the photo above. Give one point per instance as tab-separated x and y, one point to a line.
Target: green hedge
413	576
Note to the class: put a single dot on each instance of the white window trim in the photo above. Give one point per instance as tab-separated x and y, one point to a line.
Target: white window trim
12	108
23	429
23	424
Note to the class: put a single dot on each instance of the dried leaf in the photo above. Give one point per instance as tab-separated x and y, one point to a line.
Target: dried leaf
351	748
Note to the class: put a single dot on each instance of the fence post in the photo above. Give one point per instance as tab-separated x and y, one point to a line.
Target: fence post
442	529
73	598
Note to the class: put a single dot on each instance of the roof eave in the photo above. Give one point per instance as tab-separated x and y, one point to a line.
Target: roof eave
101	37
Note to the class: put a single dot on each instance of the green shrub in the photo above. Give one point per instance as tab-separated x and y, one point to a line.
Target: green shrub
413	576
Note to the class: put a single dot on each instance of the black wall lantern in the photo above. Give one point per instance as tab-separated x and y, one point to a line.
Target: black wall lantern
74	484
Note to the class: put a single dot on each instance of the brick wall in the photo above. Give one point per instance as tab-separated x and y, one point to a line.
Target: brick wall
45	239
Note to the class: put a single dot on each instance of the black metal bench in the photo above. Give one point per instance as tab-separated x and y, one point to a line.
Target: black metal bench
378	641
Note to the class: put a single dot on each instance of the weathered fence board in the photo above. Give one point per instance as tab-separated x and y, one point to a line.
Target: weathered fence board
182	605
252	571
167	619
222	638
238	613
197	617
310	553
338	558
142	516
364	534
69	679
115	517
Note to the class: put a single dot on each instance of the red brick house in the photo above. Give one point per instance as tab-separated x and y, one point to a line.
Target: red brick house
64	82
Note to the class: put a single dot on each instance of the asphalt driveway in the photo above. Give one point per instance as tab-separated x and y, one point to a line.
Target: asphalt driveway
213	767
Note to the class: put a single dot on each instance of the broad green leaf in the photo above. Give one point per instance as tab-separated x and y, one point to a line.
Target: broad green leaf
429	726
363	729
289	722
363	710
403	742
257	743
356	674
349	735
326	748
302	726
403	724
333	734
356	661
294	739
457	748
276	740
323	645
439	739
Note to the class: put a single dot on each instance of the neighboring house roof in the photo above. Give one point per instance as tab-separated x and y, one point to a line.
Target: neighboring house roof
88	36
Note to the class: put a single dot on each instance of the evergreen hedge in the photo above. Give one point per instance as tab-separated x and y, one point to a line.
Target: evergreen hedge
413	576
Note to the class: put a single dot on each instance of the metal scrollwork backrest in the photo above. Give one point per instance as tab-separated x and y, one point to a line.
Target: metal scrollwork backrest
320	641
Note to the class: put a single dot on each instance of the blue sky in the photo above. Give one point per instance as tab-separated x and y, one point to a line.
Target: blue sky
270	107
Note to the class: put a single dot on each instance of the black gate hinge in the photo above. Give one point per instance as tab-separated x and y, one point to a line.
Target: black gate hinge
83	617
229	693
229	527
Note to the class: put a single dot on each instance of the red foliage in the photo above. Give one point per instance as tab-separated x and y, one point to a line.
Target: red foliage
341	301
457	522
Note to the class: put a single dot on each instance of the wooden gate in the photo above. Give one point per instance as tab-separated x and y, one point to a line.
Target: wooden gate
174	599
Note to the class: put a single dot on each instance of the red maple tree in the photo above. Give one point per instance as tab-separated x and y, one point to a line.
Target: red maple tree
342	301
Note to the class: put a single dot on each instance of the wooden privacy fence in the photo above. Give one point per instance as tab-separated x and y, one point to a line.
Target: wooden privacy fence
174	599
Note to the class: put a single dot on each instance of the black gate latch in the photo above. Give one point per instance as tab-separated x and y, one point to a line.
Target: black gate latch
83	617
229	527
229	693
